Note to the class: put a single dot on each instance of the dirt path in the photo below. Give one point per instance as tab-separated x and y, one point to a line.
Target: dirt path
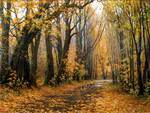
93	97
74	100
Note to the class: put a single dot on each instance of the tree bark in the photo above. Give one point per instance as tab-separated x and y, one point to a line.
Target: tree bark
59	41
20	61
50	63
34	57
62	77
5	41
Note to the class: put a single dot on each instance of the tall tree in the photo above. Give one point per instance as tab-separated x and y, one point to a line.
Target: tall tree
5	22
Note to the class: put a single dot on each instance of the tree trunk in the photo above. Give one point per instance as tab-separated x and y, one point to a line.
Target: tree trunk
59	41
79	38
140	81
146	65
50	63
34	48
62	77
5	41
61	72
132	63
20	61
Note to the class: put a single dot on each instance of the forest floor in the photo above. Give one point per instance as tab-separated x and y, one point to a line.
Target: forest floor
82	97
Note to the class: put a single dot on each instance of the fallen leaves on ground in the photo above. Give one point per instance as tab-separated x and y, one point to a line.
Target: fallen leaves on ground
72	98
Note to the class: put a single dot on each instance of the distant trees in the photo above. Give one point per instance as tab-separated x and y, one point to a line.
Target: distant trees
130	20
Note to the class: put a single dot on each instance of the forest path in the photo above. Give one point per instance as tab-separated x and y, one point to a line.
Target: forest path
85	97
80	99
